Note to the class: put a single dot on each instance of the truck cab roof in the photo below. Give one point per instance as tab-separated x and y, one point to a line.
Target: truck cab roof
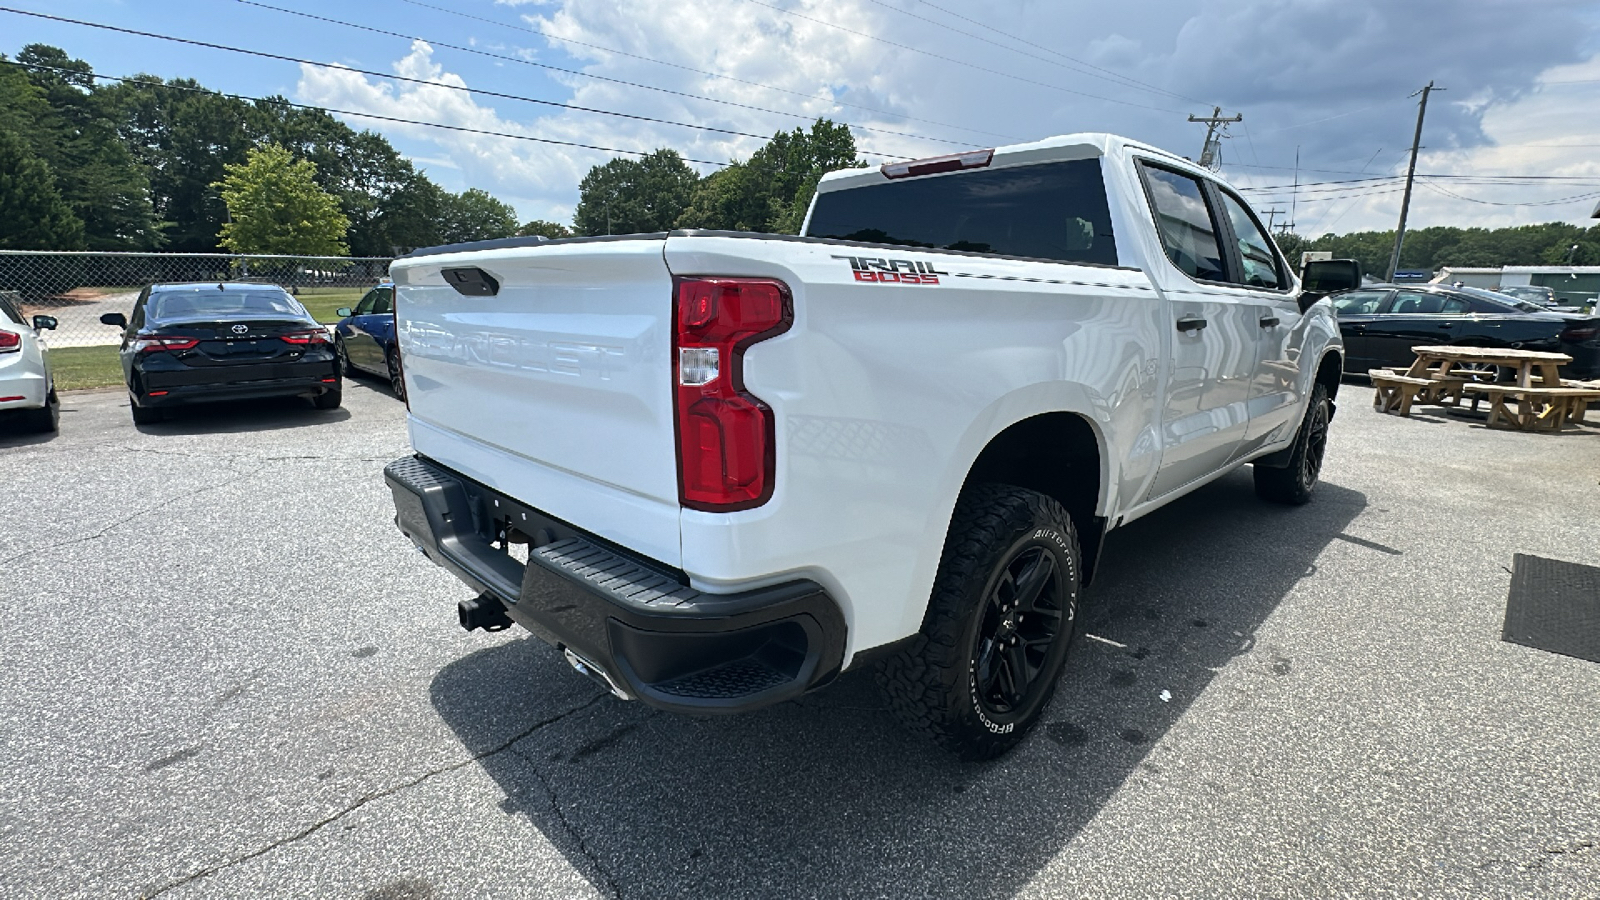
1083	145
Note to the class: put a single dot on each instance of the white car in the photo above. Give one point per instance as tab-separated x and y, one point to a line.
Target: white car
27	390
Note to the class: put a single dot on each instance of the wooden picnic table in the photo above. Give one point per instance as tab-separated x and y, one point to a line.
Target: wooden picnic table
1537	400
1525	362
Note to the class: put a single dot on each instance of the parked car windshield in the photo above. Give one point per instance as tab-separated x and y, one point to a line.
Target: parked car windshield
1054	211
209	302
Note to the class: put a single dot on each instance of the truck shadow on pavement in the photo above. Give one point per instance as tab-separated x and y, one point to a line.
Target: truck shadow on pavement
826	796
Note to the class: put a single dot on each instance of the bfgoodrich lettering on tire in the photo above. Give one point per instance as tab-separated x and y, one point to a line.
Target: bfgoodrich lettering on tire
999	623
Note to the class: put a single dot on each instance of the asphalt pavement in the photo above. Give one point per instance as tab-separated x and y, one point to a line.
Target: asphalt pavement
226	674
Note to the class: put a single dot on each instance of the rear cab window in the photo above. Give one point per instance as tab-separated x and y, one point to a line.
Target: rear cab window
1051	211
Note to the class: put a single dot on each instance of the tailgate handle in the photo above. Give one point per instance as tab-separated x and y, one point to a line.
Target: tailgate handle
1191	323
471	281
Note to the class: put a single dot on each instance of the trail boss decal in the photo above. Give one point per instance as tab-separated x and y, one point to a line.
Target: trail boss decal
892	271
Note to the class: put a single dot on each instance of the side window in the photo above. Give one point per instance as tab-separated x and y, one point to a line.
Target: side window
1358	303
1455	306
1258	261
136	321
9	311
364	308
1414	303
385	302
1184	220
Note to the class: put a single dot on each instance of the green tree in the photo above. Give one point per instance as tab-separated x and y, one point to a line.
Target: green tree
542	228
275	206
772	190
627	196
33	216
473	215
184	140
73	132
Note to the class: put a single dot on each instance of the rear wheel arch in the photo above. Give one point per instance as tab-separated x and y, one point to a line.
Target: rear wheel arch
1060	455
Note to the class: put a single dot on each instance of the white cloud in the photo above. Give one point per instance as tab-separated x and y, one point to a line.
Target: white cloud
1326	76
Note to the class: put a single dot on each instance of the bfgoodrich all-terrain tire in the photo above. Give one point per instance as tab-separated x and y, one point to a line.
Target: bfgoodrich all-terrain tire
1293	483
999	623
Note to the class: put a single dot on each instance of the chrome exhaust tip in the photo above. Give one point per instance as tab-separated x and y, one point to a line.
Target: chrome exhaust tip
585	667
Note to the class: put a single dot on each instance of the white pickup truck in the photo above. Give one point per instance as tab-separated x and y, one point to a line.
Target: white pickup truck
717	469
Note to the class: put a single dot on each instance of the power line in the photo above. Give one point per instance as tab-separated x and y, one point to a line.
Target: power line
1131	81
959	62
1564	200
402	78
632	84
661	62
1111	77
274	101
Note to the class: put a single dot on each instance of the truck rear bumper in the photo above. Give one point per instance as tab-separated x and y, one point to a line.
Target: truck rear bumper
638	622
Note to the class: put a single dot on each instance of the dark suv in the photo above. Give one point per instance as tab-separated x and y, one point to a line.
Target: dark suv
222	341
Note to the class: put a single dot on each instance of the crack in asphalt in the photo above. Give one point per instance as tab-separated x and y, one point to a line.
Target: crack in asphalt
107	529
611	884
318	825
614	889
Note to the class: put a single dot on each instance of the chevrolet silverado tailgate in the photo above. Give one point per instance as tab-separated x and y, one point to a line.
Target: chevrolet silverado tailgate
544	371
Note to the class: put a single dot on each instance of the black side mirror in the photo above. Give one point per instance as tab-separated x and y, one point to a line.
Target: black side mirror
41	323
1321	277
117	319
343	312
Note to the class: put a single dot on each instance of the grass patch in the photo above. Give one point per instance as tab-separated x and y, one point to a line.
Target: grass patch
321	302
85	367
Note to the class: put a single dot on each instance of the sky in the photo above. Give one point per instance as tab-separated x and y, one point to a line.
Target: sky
1512	138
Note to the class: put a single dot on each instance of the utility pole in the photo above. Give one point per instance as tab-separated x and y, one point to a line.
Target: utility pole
1271	215
1208	153
1294	199
1411	172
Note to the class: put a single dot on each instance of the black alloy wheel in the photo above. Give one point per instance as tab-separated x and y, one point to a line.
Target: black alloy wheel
1316	443
1293	483
397	381
342	353
980	672
1021	620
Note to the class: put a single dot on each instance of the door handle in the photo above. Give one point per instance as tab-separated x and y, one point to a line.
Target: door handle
1191	323
1269	322
1447	324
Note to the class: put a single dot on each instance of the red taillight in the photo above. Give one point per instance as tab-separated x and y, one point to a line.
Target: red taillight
150	343
317	336
933	165
726	444
9	341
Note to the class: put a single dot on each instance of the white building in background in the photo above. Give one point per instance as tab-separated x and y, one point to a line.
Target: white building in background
1574	285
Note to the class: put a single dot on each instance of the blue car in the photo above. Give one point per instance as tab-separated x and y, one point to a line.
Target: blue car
364	339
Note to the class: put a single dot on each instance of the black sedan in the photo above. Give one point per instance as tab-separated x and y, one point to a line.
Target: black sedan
186	343
1382	322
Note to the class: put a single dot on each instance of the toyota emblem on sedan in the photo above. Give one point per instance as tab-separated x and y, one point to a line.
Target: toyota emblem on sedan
240	329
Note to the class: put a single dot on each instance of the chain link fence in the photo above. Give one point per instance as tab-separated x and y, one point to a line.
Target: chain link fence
78	287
